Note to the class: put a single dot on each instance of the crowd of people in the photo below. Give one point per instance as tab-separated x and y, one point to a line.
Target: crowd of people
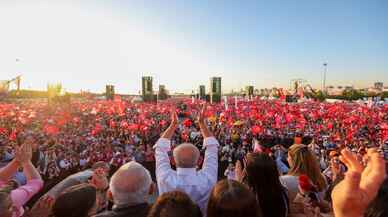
185	158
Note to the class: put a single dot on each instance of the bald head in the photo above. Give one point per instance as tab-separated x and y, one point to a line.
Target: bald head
130	185
186	155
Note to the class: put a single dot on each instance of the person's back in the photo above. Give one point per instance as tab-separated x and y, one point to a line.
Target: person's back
127	211
197	184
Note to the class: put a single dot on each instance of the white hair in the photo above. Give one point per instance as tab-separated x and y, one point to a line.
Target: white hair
188	160
130	185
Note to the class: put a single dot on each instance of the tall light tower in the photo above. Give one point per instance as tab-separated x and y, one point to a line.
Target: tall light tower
324	77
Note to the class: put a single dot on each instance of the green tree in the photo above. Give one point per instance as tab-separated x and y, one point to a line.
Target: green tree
384	94
352	94
54	90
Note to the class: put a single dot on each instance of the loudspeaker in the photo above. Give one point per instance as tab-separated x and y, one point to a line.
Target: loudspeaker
109	92
291	98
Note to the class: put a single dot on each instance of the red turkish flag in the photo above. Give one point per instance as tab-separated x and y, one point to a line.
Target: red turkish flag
112	124
51	130
163	123
187	123
121	109
124	124
13	135
133	127
330	125
384	131
256	130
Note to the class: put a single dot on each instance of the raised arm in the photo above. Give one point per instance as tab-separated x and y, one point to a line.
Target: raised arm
21	195
352	196
29	169
210	163
8	171
163	146
202	123
23	155
173	125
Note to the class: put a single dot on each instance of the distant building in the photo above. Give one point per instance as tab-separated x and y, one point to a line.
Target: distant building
162	94
109	92
379	86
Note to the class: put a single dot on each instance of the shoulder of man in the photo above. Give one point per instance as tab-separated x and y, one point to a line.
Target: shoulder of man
125	213
106	214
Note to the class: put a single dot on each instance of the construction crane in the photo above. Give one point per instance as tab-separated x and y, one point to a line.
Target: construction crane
308	87
296	83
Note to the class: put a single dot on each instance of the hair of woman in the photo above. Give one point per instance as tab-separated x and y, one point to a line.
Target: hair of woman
76	201
305	162
262	177
230	198
174	204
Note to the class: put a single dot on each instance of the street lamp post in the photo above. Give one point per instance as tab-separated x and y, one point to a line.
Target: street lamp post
324	77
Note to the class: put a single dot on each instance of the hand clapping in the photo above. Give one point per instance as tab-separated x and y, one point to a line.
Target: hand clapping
360	186
23	153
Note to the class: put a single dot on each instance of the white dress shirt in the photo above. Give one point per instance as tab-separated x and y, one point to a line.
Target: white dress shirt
197	184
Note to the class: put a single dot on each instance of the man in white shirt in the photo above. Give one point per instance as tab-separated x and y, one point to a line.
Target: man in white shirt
196	183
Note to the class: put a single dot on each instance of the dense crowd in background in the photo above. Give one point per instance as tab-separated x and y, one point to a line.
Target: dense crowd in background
273	158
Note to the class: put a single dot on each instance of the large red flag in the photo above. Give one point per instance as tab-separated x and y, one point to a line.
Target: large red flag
51	130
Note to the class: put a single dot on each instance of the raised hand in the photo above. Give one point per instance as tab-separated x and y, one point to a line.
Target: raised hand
335	168
99	179
174	117
202	123
23	154
239	171
173	125
360	185
201	116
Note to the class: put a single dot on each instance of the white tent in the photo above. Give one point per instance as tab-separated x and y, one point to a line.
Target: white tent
136	99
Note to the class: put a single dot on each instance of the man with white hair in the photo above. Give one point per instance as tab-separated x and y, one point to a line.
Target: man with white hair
129	187
196	183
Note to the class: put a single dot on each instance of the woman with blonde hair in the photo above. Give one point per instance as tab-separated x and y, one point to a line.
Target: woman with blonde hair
302	162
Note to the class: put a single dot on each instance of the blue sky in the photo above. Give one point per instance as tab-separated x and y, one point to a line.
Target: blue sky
183	43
